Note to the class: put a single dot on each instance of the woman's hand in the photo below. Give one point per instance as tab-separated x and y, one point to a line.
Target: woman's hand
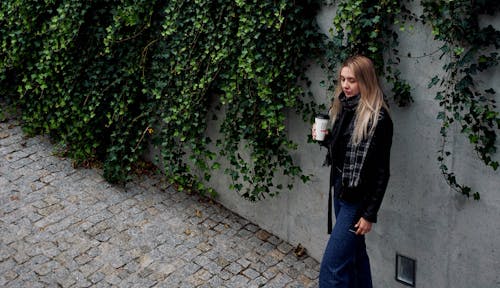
363	226
313	131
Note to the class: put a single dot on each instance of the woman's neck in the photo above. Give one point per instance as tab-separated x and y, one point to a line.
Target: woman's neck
349	103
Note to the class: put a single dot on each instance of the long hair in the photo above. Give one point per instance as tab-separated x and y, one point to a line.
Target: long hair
371	101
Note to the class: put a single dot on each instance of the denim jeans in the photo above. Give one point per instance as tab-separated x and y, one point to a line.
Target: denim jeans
345	262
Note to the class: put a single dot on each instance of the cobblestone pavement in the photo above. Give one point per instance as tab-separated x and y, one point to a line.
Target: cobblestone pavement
66	227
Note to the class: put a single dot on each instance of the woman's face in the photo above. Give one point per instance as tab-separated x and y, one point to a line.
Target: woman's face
349	83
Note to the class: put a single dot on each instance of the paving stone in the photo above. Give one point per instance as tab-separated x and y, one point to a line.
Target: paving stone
223	262
21	163
274	240
279	281
21	257
66	261
201	276
96	277
68	227
190	268
225	275
306	282
259	281
251	274
32	284
9	276
252	227
270	272
234	268
285	247
311	273
264	249
204	247
102	284
6	252
255	241
262	235
243	233
113	279
213	267
46	268
244	262
202	260
238	281
7	265
215	281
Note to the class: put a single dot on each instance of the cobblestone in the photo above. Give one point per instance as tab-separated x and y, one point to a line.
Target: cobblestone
67	227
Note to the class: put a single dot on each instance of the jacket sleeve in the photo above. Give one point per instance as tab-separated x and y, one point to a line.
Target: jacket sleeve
378	169
328	139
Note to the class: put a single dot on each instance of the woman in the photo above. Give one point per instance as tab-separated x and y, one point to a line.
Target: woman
358	152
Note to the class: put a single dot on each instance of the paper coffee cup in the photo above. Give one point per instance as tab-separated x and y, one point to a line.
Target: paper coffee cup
321	121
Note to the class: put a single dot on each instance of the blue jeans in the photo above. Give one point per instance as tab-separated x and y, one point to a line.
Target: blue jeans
345	262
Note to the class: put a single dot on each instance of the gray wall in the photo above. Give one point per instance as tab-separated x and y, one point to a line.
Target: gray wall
455	241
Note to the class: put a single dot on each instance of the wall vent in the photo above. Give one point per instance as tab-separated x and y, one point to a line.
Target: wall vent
405	270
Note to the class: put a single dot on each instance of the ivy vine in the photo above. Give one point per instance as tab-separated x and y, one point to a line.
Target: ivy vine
469	50
367	27
105	78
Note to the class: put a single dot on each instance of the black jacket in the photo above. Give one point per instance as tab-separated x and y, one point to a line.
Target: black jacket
376	168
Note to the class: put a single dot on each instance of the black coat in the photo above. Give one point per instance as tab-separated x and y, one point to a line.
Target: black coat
376	168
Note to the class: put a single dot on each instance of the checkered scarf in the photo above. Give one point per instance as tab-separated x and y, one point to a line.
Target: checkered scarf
355	154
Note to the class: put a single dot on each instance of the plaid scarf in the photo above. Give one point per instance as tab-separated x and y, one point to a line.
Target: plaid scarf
355	154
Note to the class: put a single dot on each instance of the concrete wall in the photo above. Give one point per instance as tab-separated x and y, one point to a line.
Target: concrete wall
455	241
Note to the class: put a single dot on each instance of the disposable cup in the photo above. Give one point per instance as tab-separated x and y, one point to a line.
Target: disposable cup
321	121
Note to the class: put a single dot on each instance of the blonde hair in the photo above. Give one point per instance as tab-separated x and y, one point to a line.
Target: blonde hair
371	101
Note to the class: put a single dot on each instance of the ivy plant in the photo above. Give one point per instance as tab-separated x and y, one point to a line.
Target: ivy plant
468	50
367	27
105	78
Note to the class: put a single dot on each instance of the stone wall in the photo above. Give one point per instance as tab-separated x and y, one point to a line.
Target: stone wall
455	241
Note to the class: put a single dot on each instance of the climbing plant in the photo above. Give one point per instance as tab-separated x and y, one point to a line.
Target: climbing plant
368	27
468	50
105	78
